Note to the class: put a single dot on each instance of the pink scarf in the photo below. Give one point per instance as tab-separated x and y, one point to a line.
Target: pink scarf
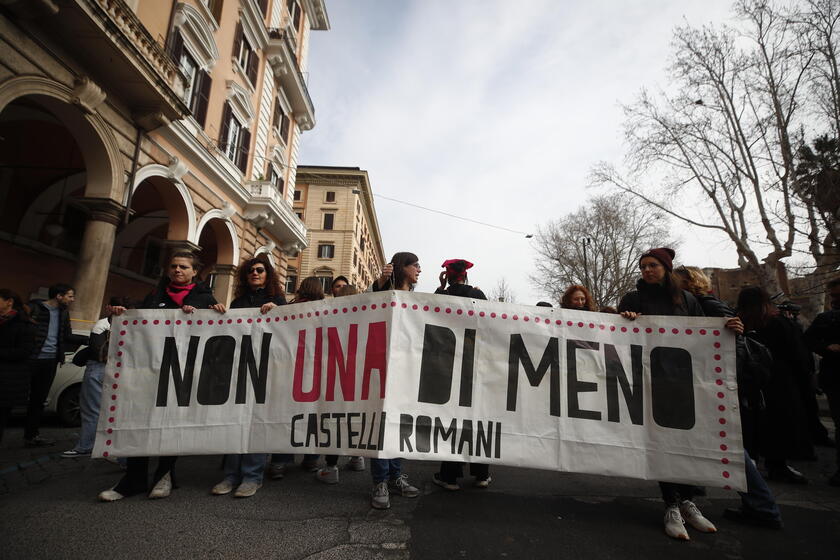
178	293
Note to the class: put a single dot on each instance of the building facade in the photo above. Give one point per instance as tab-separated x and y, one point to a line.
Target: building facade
129	128
336	205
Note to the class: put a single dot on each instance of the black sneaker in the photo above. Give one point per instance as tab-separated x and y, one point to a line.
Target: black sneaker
38	441
746	517
787	474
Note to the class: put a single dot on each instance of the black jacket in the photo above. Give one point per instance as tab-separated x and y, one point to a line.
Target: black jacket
200	297
256	298
41	315
823	331
654	299
462	290
17	343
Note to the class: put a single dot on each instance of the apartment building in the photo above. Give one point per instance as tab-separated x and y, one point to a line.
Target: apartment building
336	205
129	128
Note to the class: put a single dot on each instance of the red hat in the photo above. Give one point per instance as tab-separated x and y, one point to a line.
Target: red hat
456	268
665	255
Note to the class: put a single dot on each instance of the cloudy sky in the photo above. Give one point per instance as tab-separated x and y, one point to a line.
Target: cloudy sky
492	110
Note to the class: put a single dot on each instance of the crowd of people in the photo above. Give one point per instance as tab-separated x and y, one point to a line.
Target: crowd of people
775	368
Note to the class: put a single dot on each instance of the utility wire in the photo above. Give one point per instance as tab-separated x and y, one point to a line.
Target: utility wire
527	235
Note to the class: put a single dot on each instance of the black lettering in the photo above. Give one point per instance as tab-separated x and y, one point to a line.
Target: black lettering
672	388
362	432
406	429
550	360
325	431
248	367
498	444
311	429
370	444
170	361
573	385
467	363
422	439
351	433
482	439
216	370
633	392
466	437
436	365
338	417
446	433
295	419
382	432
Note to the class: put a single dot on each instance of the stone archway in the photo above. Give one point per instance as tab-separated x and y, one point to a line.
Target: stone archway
219	242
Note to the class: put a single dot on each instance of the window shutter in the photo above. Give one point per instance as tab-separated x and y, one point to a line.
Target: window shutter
202	93
176	47
244	145
275	120
253	60
237	40
296	16
284	128
263	6
227	114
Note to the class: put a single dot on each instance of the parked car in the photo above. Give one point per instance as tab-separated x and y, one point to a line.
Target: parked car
63	398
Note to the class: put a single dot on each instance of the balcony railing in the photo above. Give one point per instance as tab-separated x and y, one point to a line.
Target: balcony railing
281	54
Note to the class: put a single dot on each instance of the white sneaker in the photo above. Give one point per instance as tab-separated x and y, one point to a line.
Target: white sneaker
163	488
110	495
247	489
484	483
405	489
327	475
693	517
380	497
451	486
222	488
674	526
356	464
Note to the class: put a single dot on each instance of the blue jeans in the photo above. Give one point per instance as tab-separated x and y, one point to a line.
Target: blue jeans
247	467
90	397
385	469
758	498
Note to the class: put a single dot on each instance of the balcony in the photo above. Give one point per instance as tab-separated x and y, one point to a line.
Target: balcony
280	54
267	209
120	55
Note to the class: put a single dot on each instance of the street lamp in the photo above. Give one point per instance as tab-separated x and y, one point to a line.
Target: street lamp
585	241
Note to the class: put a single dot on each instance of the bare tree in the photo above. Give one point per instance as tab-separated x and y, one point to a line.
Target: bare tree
718	149
598	247
502	292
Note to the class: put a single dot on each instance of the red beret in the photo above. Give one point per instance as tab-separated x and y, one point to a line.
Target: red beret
665	255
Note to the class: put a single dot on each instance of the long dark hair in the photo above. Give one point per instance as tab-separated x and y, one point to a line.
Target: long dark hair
17	303
399	261
272	280
310	289
754	307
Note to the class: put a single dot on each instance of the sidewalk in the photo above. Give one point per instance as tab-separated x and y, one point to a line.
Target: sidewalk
21	467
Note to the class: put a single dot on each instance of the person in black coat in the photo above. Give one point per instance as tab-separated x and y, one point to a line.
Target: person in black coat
450	471
784	425
823	338
178	289
53	336
257	286
17	342
658	292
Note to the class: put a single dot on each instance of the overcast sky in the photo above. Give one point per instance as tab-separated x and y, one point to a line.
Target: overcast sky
493	110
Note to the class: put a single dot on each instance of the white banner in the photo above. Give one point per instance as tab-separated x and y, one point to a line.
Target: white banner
398	374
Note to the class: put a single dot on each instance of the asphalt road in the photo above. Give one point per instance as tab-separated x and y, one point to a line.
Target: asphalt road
525	514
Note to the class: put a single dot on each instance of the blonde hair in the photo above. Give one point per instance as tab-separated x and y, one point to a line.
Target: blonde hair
698	283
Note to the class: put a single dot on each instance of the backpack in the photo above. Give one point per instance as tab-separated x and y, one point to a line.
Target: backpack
754	372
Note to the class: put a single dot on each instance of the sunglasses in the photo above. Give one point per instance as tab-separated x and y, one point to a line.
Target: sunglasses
259	270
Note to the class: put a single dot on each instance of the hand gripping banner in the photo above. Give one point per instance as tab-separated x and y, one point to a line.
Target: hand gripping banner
420	376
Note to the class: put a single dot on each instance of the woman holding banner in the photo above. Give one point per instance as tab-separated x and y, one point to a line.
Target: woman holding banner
450	471
399	274
257	286
658	292
177	289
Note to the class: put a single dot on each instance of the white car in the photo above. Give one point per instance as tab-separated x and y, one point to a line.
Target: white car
63	398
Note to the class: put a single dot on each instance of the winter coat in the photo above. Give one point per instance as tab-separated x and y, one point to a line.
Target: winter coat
17	343
461	290
256	298
823	331
41	315
200	297
654	299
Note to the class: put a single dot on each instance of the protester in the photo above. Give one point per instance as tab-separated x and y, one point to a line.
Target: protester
52	334
177	289
784	423
95	356
401	273
17	342
450	471
758	505
339	283
823	337
577	297
257	286
329	473
544	304
658	292
310	289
